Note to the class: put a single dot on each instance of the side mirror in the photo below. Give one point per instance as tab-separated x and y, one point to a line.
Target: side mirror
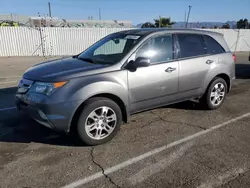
142	62
139	62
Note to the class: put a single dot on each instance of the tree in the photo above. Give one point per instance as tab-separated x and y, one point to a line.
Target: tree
147	25
226	26
203	27
215	27
242	24
163	22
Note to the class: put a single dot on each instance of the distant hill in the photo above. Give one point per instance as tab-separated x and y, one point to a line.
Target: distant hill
199	24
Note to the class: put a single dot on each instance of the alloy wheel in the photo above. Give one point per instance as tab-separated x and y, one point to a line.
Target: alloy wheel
217	94
100	123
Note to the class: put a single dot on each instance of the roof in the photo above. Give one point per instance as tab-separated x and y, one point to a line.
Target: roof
148	31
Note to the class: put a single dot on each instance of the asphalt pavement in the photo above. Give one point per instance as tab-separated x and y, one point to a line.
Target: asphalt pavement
179	145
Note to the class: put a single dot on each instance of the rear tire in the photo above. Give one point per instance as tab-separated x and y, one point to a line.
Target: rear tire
215	94
99	121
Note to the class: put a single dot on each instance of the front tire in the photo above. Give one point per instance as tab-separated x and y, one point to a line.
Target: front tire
99	121
215	94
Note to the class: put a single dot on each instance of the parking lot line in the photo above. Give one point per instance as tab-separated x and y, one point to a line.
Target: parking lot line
151	153
9	108
150	170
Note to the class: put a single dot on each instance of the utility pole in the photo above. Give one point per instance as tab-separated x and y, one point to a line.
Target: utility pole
100	14
49	9
188	15
41	36
159	21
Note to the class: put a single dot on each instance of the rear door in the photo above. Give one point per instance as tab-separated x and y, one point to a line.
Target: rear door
194	63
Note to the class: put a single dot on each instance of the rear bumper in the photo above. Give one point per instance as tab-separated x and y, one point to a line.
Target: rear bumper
55	116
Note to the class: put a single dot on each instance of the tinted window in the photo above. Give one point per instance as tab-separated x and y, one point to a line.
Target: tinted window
212	46
191	45
158	49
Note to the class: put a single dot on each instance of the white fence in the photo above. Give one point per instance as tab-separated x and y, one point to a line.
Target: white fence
23	41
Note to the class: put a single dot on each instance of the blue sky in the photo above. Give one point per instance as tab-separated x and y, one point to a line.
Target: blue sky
137	11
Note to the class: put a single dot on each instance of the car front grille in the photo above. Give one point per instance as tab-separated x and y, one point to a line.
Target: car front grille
24	85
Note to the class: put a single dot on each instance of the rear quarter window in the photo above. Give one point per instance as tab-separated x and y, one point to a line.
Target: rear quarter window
212	46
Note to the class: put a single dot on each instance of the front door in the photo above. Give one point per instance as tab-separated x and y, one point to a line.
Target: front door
150	85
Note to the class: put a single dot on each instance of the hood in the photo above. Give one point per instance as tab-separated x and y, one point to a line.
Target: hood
60	69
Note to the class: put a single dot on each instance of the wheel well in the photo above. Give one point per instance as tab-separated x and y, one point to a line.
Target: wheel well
226	78
106	95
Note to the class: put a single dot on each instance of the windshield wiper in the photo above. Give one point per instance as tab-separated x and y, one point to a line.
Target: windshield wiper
90	60
86	59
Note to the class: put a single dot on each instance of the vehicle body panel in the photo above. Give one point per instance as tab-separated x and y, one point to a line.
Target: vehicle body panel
224	65
192	73
65	69
149	83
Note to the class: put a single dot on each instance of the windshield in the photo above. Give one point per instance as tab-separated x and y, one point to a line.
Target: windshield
110	49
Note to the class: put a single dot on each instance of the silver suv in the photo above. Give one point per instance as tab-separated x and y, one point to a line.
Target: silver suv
93	92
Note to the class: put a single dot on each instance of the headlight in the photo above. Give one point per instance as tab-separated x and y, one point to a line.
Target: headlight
46	88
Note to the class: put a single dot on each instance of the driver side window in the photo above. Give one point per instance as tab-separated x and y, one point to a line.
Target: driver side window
157	49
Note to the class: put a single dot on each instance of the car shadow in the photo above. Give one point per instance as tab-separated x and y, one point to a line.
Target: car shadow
186	105
242	71
7	97
8	90
22	129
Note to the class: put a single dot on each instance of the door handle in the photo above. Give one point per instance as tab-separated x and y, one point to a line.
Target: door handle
170	69
209	62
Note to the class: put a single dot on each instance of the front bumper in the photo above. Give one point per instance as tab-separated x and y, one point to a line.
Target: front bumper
56	116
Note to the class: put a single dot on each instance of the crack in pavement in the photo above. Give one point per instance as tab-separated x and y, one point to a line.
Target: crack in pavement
191	125
237	177
102	169
148	124
226	178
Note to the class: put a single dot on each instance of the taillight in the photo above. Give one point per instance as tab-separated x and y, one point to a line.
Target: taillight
234	58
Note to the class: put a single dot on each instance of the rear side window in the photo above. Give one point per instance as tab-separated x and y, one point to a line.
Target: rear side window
191	45
212	46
